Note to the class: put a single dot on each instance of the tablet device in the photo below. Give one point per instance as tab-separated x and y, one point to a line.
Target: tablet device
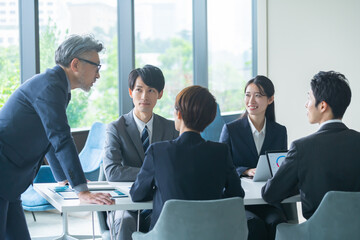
274	159
262	170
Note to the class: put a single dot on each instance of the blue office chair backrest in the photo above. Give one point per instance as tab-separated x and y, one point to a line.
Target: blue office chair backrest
91	155
213	131
208	219
31	200
337	217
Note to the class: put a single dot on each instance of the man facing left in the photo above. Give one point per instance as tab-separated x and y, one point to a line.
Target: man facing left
33	123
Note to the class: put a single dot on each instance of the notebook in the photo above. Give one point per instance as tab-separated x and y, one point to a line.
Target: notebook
275	159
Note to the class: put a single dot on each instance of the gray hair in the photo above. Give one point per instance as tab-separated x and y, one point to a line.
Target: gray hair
74	46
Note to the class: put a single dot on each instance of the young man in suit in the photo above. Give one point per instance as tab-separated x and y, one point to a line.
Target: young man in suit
34	123
124	148
327	160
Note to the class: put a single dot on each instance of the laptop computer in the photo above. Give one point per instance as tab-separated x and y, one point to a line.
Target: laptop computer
262	170
274	159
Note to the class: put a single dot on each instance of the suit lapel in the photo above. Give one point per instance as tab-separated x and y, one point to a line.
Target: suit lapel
134	134
157	130
247	136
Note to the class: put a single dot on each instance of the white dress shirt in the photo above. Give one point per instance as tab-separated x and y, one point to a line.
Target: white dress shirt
330	121
259	137
141	125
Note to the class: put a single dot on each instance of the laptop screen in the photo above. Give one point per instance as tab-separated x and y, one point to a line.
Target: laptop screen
275	158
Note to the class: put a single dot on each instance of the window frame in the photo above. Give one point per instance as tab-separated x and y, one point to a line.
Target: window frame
30	57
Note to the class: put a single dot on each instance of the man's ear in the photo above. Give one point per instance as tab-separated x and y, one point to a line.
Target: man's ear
160	94
130	93
323	106
74	65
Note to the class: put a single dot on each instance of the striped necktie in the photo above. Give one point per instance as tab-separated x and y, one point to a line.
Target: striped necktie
145	138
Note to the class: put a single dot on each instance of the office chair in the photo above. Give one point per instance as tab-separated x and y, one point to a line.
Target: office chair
91	154
208	219
31	200
337	217
213	131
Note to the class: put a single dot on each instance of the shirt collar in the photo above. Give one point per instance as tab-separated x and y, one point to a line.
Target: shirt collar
253	129
141	125
330	121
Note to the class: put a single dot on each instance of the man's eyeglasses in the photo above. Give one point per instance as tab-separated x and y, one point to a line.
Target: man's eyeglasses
90	62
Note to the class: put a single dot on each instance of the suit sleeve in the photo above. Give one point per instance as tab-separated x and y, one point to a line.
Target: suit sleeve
285	182
51	108
113	158
233	184
225	138
143	187
55	166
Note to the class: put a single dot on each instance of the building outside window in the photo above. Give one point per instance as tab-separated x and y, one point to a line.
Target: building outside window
61	18
9	50
230	51
163	32
163	37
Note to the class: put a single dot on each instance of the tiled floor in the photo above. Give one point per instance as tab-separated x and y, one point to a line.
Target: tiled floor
49	223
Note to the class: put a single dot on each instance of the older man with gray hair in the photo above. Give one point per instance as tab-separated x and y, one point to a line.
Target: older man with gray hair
33	123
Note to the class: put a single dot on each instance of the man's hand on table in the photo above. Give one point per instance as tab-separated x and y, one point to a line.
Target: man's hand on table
98	198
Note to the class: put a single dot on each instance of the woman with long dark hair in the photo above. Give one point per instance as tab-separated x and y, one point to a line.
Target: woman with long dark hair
249	137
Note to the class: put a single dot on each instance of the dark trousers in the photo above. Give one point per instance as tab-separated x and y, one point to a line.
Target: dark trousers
262	221
12	221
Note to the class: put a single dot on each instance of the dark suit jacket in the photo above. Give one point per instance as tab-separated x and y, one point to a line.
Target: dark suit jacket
188	168
324	161
32	122
238	136
124	153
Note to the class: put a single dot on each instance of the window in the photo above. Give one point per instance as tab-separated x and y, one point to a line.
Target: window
230	51
95	17
9	56
163	37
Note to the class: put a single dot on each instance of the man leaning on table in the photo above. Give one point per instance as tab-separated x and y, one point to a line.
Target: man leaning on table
327	160
128	137
33	123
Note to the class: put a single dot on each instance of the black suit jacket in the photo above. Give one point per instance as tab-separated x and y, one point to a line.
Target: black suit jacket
188	168
324	161
238	136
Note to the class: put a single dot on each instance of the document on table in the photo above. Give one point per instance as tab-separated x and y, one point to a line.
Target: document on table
68	193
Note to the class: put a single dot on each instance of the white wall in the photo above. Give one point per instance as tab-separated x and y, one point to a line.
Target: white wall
304	37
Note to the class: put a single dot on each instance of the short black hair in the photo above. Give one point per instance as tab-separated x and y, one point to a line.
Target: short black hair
333	88
152	76
197	107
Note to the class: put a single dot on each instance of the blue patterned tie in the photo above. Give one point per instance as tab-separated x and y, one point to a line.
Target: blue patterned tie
145	138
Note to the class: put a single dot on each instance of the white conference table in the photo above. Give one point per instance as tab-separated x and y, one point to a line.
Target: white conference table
252	197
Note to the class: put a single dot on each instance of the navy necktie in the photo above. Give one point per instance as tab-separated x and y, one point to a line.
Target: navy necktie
145	138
